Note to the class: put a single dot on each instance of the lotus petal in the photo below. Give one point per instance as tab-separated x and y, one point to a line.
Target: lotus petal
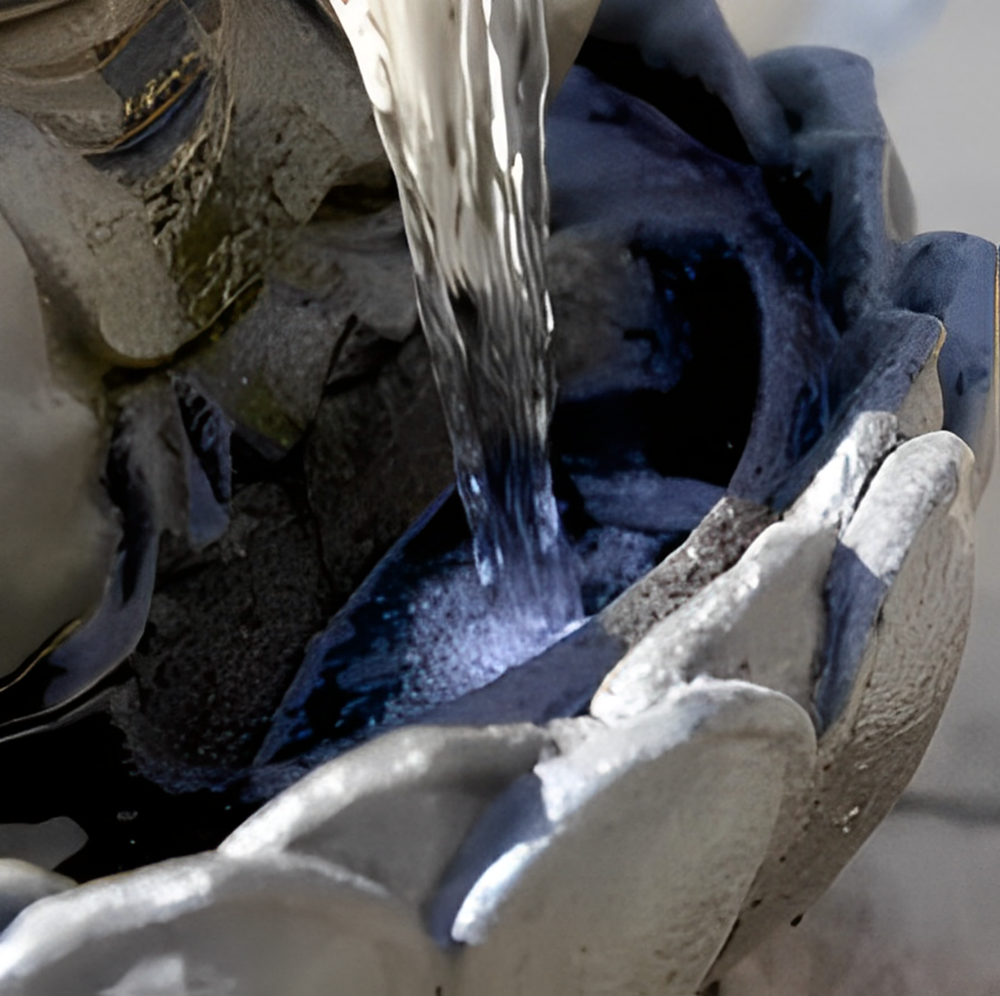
841	143
619	865
899	594
22	883
954	277
764	619
562	680
690	37
396	809
212	926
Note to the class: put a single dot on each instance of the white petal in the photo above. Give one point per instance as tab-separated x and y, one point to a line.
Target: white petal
211	926
22	884
394	810
620	865
763	620
900	592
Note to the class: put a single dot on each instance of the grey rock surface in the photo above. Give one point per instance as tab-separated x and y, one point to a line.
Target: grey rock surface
348	394
620	864
915	910
764	619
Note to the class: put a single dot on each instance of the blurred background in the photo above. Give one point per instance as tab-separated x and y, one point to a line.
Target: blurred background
918	911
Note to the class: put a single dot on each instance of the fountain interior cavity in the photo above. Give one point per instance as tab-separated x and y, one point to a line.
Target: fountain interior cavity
692	283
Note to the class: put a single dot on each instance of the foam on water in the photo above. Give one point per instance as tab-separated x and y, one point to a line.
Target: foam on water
459	94
443	663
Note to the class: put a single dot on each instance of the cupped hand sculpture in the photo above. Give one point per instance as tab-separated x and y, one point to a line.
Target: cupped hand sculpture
776	417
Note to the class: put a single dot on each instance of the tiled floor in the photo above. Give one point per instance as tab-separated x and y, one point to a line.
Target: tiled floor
918	911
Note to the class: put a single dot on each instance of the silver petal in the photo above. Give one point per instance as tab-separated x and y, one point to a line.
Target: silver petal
22	884
763	620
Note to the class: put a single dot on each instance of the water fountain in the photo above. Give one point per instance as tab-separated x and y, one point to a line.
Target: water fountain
465	138
741	275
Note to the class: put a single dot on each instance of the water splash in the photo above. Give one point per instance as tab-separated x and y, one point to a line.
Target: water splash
459	89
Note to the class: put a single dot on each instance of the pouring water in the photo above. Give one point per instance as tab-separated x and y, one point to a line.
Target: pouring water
459	93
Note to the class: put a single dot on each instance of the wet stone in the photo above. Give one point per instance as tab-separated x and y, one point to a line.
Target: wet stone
386	428
224	636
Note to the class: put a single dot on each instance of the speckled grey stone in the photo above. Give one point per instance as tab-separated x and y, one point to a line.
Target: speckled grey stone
619	865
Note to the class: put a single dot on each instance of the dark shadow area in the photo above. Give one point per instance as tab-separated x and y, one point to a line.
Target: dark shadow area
705	346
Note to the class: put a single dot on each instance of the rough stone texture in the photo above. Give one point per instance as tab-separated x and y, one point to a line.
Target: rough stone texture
378	455
89	243
761	622
764	619
713	548
953	277
225	636
297	204
562	680
50	38
269	371
141	241
902	640
259	919
915	912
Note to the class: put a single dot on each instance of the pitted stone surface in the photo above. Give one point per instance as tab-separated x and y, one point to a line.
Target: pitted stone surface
900	590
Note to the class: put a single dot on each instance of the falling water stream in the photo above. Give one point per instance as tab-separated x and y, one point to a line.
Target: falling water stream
459	89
